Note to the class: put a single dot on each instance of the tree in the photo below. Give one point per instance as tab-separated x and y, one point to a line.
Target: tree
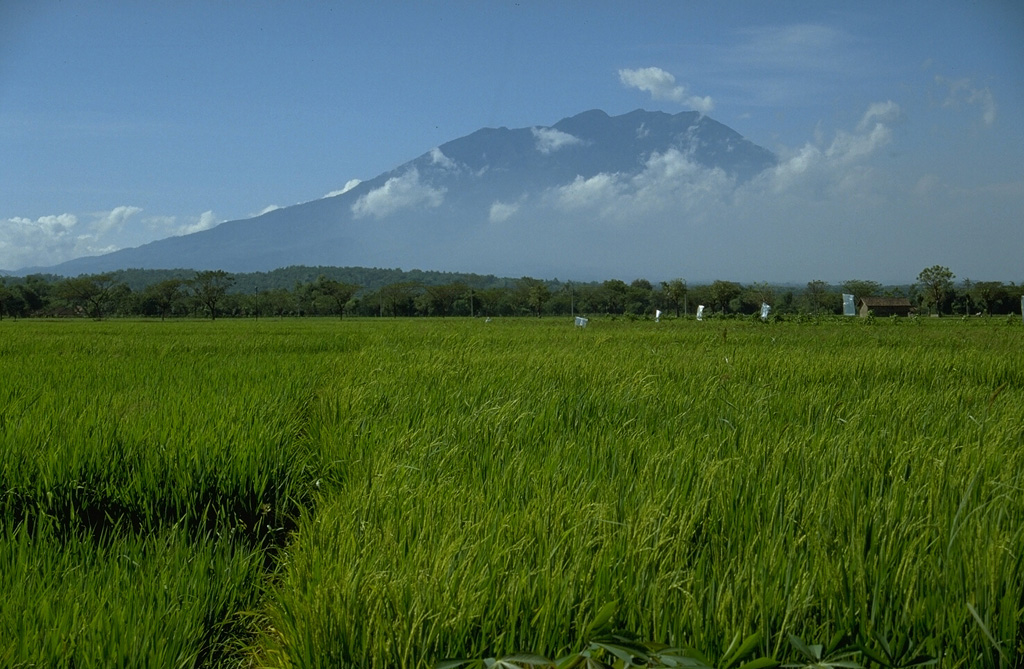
936	282
675	292
535	293
338	292
757	294
861	288
440	300
722	293
613	296
398	297
988	294
816	294
209	289
163	295
638	297
91	293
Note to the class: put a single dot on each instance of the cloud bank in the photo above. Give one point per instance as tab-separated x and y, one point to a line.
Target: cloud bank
834	208
54	238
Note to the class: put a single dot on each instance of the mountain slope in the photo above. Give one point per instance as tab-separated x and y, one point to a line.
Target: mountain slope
498	200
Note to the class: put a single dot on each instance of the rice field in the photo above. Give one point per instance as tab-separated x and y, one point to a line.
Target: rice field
398	493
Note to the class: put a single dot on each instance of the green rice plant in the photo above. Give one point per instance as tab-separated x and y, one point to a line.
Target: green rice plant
118	435
413	490
498	484
156	601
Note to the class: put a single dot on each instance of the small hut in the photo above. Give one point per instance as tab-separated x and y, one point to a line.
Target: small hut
884	306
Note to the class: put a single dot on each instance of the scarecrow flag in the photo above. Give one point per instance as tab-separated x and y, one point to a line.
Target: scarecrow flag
849	309
657	315
700	312
581	322
765	310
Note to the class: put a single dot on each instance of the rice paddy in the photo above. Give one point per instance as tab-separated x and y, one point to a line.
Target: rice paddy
401	492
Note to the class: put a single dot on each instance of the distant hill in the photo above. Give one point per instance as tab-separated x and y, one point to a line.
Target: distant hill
507	201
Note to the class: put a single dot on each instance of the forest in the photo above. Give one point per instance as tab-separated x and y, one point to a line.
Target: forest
354	291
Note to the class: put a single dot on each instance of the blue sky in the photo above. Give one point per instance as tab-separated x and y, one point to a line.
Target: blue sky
125	122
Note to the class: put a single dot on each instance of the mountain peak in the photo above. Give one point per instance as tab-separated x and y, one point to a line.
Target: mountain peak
474	197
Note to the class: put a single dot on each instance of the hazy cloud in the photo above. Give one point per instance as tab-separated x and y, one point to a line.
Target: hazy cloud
879	112
398	193
550	139
962	92
502	211
800	46
662	86
269	208
788	65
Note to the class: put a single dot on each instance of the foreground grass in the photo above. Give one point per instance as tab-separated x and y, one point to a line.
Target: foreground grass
469	489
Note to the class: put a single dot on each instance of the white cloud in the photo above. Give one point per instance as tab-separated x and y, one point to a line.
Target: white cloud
269	208
115	219
48	240
502	211
669	183
662	86
962	92
847	147
349	185
550	139
205	221
596	192
398	193
838	165
437	157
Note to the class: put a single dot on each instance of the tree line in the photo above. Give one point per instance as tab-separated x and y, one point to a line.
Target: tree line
393	293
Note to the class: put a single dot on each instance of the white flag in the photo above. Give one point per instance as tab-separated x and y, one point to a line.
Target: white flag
657	315
765	310
581	322
700	313
849	308
1022	307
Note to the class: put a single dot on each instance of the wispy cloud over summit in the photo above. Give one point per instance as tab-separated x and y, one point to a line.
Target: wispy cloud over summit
662	86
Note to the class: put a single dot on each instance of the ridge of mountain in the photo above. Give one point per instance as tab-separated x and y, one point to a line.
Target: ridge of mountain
438	210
